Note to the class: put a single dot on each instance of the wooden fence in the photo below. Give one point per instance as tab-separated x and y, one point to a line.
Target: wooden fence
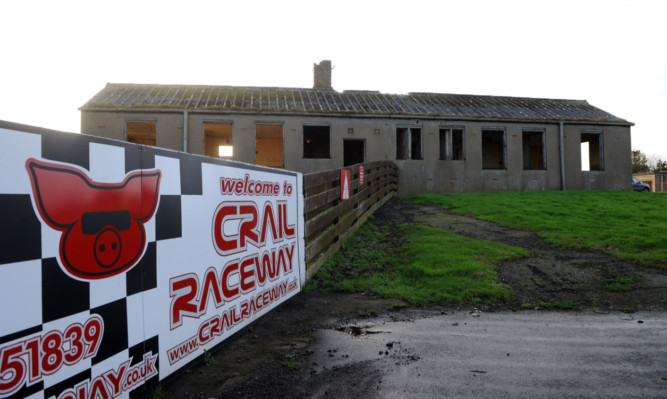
330	220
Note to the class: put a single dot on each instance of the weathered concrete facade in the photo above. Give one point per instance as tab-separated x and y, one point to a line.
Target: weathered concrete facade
536	145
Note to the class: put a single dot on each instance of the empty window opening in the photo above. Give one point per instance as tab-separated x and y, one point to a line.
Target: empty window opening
493	149
141	132
269	145
451	144
585	164
316	141
218	140
225	151
416	143
353	152
408	143
533	150
591	151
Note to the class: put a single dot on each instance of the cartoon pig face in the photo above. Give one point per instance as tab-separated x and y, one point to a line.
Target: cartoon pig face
102	224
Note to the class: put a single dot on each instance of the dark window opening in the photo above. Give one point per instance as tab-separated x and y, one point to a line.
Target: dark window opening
416	143
142	132
493	149
316	141
218	141
591	151
533	150
408	143
451	144
269	145
353	152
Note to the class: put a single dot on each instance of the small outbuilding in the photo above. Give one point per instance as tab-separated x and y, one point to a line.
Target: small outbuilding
656	181
440	142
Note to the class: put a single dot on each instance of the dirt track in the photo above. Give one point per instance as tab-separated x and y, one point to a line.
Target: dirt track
275	356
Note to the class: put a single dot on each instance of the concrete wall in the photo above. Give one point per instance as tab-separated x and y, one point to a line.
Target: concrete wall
429	174
616	159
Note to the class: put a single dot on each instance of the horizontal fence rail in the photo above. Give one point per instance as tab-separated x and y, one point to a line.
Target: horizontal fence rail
329	221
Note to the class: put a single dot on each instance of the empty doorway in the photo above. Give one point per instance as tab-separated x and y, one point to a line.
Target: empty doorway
353	152
269	145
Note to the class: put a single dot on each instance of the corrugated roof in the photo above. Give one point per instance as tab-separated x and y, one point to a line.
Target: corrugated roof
271	100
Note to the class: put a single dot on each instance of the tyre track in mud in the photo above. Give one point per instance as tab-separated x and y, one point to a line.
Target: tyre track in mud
549	274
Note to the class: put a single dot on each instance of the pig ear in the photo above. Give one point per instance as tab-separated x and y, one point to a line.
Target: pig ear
58	192
147	185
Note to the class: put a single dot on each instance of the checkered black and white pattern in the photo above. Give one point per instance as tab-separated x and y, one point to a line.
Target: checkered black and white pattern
36	294
43	297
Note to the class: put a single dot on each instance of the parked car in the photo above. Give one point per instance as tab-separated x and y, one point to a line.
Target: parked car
639	186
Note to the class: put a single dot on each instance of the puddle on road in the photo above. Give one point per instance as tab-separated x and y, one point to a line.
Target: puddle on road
357	331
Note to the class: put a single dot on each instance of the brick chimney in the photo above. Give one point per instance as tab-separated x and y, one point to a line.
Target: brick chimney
322	74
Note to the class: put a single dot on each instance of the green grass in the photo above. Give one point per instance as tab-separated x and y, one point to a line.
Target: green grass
427	266
157	393
292	362
631	226
620	283
365	253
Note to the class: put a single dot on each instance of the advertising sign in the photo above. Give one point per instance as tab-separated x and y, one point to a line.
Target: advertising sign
120	264
361	175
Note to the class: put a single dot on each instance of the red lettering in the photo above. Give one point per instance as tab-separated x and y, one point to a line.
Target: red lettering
245	310
289	249
248	274
282	214
222	245
183	290
268	218
273	267
245	214
228	290
116	377
236	318
247	230
211	285
205	331
98	389
281	261
216	327
13	369
248	186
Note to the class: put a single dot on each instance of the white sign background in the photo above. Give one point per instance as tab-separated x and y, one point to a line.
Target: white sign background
138	332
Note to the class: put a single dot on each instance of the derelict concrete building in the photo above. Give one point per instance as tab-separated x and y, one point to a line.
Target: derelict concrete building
440	142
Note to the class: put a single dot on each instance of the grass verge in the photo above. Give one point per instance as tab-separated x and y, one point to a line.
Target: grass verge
419	264
628	225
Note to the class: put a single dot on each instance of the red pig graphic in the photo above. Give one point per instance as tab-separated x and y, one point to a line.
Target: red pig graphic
102	224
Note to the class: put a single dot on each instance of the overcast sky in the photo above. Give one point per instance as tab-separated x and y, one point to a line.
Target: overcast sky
56	55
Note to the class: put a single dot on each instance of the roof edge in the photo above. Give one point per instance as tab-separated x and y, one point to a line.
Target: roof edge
620	122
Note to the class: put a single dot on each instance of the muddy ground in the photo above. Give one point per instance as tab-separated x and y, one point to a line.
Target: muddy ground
273	358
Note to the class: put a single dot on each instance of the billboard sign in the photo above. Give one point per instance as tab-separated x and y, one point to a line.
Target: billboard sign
120	264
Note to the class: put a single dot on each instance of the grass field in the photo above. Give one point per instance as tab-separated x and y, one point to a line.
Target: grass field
428	266
629	225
